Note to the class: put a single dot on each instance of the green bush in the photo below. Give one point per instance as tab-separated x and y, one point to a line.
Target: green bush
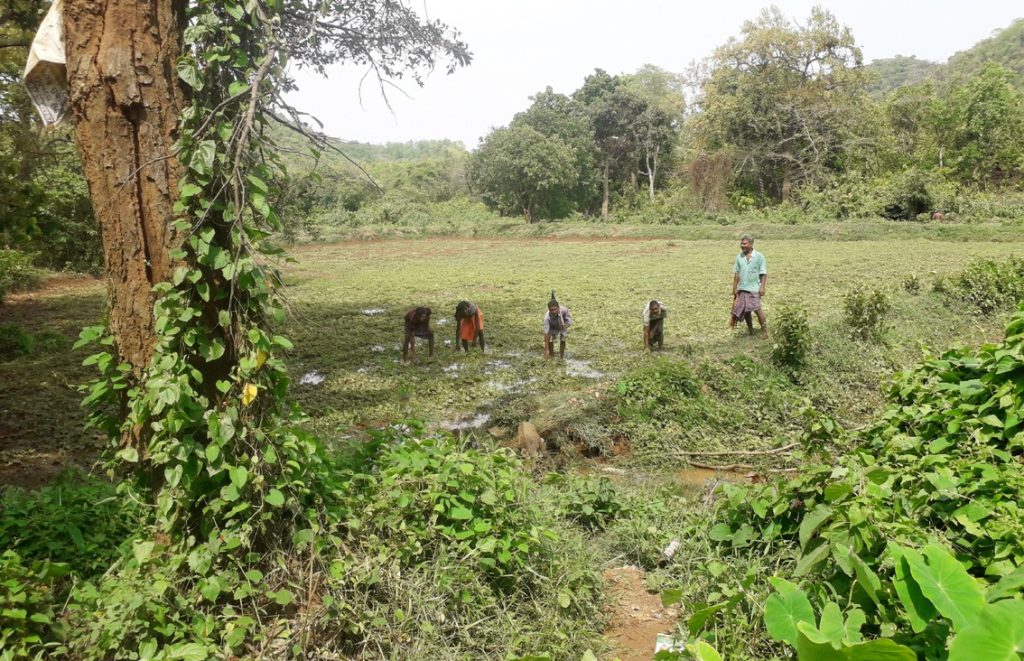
590	502
865	312
653	386
427	496
792	340
441	531
912	284
77	520
28	607
938	469
16	272
988	285
16	342
909	194
426	534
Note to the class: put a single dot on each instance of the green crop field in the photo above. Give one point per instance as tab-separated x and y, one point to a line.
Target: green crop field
349	300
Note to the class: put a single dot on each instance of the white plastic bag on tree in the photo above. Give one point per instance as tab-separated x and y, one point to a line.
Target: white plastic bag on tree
46	77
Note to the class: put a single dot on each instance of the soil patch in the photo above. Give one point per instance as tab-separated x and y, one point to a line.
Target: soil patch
61	284
32	470
638	616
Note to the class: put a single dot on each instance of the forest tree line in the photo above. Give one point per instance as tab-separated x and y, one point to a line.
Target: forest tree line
785	114
785	120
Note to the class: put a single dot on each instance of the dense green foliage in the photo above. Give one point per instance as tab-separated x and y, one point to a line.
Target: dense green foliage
939	469
44	204
987	285
791	340
866	311
16	272
72	530
76	521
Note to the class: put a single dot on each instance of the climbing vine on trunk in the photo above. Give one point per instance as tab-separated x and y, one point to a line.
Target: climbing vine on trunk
195	398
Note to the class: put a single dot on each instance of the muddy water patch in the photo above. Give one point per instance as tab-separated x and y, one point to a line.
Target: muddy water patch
516	385
312	378
467	423
581	368
496	364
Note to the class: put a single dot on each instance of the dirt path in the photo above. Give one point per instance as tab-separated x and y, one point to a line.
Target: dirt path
638	615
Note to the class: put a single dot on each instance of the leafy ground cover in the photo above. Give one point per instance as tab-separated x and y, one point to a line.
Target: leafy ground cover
907	545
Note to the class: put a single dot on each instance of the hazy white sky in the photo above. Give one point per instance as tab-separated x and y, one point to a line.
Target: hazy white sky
521	46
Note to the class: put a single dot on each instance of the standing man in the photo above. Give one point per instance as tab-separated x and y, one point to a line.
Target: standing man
654	324
750	273
556	324
469	325
417	324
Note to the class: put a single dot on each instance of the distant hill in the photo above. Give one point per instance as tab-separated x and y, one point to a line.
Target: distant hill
294	151
893	72
400	151
1005	47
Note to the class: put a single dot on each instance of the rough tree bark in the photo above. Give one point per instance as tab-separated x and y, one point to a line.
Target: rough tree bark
125	110
604	190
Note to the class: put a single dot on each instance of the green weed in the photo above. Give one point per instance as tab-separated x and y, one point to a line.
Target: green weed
792	340
590	502
16	272
988	285
940	463
866	311
16	342
77	520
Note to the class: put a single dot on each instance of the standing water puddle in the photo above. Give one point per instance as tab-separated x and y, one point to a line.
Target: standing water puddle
516	385
581	368
466	424
313	378
497	364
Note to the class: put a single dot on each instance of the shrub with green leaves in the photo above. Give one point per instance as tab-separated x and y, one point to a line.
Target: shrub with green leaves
988	285
912	284
941	465
652	386
866	311
15	342
76	520
424	496
590	502
16	272
792	340
28	607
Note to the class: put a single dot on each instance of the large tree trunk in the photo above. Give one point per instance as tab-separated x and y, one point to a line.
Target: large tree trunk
125	110
652	172
604	189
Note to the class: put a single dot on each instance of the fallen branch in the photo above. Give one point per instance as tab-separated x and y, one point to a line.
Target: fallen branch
727	467
730	453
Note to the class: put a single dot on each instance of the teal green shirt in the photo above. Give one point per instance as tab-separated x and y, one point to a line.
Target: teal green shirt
750	272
